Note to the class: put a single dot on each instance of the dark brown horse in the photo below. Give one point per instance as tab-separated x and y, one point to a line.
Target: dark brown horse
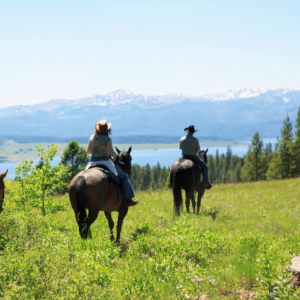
2	187
92	190
185	175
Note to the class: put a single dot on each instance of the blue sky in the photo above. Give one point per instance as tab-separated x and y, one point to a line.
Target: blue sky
72	49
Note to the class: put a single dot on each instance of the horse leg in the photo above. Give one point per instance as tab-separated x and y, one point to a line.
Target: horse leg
187	201
86	232
110	225
193	201
122	214
200	194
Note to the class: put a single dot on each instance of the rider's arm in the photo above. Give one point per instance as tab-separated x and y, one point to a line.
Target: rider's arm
89	148
111	150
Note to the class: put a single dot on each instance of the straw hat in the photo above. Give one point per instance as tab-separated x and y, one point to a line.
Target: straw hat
102	126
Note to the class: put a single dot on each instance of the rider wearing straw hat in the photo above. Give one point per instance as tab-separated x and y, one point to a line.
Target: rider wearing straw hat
100	147
190	146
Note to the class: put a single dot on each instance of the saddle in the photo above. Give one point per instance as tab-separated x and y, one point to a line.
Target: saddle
192	159
197	166
110	175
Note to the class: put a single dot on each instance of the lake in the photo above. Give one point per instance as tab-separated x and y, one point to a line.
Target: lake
141	157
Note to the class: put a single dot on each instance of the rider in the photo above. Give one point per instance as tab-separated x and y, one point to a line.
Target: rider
190	146
100	147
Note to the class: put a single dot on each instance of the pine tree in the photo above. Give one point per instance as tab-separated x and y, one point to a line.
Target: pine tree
285	148
212	169
255	167
296	147
237	173
228	157
274	170
75	157
218	171
268	152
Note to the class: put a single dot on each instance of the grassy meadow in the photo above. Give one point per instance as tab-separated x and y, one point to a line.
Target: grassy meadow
239	247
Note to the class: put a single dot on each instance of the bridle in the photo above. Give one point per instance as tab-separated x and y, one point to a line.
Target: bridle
124	162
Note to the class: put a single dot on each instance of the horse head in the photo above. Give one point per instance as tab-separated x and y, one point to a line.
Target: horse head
203	155
2	187
124	161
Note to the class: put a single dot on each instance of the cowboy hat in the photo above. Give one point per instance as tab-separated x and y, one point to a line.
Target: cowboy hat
102	126
190	129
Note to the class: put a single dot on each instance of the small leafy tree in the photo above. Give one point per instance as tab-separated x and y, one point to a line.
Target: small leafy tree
22	186
38	184
47	179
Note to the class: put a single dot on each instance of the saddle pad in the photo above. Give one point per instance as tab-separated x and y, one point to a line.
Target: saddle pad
110	176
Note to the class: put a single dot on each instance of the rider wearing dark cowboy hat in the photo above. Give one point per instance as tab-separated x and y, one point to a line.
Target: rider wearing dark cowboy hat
190	146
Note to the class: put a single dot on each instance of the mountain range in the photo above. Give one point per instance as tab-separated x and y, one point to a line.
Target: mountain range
234	115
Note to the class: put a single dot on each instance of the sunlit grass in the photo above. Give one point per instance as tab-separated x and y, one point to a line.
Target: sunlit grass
218	253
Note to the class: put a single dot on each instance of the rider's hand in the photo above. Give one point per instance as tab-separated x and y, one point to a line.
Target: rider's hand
201	154
117	158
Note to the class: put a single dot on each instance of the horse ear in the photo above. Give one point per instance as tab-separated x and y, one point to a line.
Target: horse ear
3	174
118	150
206	150
129	150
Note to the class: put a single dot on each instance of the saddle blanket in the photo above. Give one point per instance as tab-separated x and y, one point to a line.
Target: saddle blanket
110	176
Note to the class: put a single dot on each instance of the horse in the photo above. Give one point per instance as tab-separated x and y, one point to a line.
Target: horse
2	187
185	175
92	190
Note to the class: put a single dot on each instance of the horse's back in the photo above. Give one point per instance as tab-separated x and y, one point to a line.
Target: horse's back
99	193
183	171
183	166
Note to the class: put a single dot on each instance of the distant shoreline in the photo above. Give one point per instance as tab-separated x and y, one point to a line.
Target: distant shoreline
12	151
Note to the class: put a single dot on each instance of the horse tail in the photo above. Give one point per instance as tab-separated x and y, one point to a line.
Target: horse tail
80	186
171	179
176	187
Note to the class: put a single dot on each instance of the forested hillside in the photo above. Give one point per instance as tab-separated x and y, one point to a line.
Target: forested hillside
262	162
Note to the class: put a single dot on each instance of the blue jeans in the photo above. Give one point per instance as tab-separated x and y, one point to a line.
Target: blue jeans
203	166
126	185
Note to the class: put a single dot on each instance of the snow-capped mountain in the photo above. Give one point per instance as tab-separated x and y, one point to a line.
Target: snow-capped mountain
232	114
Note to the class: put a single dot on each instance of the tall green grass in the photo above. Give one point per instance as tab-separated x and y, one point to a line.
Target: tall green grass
243	239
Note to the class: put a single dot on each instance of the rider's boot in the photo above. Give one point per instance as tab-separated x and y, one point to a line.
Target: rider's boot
206	185
131	202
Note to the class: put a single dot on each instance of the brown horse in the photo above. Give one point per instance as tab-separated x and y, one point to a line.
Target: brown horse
91	189
185	175
2	187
